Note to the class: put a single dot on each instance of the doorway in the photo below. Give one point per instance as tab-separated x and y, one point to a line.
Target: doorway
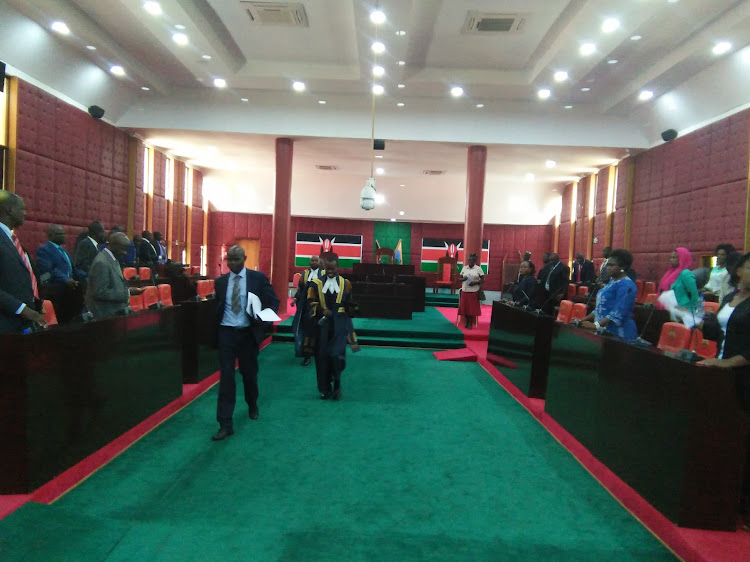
252	251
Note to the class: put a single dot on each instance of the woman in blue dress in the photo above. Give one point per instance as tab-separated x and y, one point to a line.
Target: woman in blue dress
615	302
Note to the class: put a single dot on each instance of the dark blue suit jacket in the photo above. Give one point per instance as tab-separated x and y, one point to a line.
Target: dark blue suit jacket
15	286
258	284
50	260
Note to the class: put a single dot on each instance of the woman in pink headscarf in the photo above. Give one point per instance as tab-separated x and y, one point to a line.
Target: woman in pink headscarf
681	280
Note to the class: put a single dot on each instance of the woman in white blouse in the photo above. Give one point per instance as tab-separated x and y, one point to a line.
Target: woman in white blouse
472	277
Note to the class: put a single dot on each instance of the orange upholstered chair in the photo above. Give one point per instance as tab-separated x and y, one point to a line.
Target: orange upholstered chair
295	281
136	302
204	288
705	348
579	311
650	298
48	310
582	291
165	294
674	336
639	290
144	272
566	310
711	307
129	273
150	296
571	291
649	287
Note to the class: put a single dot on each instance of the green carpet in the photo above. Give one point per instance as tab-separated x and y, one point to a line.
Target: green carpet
421	460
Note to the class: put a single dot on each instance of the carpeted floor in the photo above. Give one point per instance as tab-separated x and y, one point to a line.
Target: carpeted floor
420	460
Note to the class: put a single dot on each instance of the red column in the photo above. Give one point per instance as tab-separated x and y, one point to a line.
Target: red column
281	222
475	172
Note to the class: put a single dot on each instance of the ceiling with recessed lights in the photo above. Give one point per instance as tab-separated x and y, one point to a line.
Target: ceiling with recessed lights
579	82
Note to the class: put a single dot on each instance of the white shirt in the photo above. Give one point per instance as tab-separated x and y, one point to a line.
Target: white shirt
238	319
723	318
716	279
314	274
546	284
471	274
331	285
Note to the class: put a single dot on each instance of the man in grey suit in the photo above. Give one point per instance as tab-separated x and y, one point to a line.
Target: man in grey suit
107	293
17	299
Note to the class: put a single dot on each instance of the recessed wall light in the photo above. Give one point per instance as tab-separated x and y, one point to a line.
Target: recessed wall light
393	220
610	24
244	99
60	27
543	94
645	95
585	89
180	38
568	107
298	86
377	17
220	83
401	33
377	89
612	61
117	70
401	62
322	102
550	163
560	76
206	57
377	47
480	105
721	47
457	91
91	47
587	49
378	70
179	26
402	85
636	37
153	8
145	88
400	104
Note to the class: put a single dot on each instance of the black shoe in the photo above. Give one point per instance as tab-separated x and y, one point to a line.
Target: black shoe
305	361
222	434
337	394
253	412
325	396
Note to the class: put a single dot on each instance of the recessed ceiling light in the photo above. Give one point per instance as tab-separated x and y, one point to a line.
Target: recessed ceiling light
400	104
145	88
401	213
379	198
91	47
544	93
612	61
206	57
378	47
610	24
117	70
568	107
179	26
645	95
379	171
378	156
377	89
560	76
529	176
401	185
393	220
244	99
401	62
457	91
402	85
377	17
587	49
721	47
322	102
672	1
550	163
220	83
298	86
60	27
378	70
636	37
153	8
585	89
180	38
480	105
401	33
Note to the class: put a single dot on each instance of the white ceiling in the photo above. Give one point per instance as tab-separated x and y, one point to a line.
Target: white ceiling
232	140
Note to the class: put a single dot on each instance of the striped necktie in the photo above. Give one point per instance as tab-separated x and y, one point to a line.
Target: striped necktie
17	244
236	302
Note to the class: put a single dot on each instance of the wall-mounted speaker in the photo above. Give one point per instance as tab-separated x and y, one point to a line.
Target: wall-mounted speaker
378	144
96	112
669	135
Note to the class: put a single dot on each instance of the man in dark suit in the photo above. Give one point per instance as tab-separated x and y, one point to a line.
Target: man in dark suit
19	296
557	282
239	336
583	270
58	275
161	249
88	247
147	252
541	277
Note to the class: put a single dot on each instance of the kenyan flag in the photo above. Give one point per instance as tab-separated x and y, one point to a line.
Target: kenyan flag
347	246
435	248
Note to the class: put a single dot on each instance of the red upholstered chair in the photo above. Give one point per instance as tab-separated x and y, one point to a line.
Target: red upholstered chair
674	336
144	272
571	290
165	294
129	273
136	302
295	281
711	307
579	311
566	310
204	288
582	291
48	310
705	348
639	291
649	287
211	283
447	274
650	298
150	296
195	270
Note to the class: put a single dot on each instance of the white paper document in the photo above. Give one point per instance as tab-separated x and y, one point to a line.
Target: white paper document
255	309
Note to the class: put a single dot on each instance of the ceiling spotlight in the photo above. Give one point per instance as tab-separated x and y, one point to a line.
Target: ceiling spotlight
610	24
560	76
145	88
377	47
402	85
401	185
401	62
220	83
400	104
480	105
544	93
379	198
645	95
377	89
378	156
322	102
117	70
529	177
378	70
60	27
612	61
457	91
379	171
153	8
550	163
401	33
206	57
298	86
636	37
721	47
91	47
672	1
179	26
180	38
401	213
587	49
568	107
585	89
244	99
377	17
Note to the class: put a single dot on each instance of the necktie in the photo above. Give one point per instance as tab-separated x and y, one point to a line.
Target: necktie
17	244
236	303
579	273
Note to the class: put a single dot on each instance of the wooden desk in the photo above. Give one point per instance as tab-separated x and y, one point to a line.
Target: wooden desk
415	283
383	300
199	356
382	269
68	391
670	429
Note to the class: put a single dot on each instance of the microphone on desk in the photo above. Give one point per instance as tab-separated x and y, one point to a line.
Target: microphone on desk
549	300
639	341
528	300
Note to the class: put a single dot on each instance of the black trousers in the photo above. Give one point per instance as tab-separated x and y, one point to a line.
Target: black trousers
236	344
328	370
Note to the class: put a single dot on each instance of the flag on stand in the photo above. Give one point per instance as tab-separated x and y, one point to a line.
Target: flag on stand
397	253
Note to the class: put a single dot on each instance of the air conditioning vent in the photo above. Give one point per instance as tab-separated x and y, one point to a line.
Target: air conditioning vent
289	14
326	167
483	22
433	172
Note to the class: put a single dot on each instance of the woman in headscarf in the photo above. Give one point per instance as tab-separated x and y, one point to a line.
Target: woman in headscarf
680	280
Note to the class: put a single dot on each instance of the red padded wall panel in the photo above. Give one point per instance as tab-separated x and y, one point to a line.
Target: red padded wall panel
159	174
66	134
63	189
120	155
78	197
197	189
159	223
563	245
